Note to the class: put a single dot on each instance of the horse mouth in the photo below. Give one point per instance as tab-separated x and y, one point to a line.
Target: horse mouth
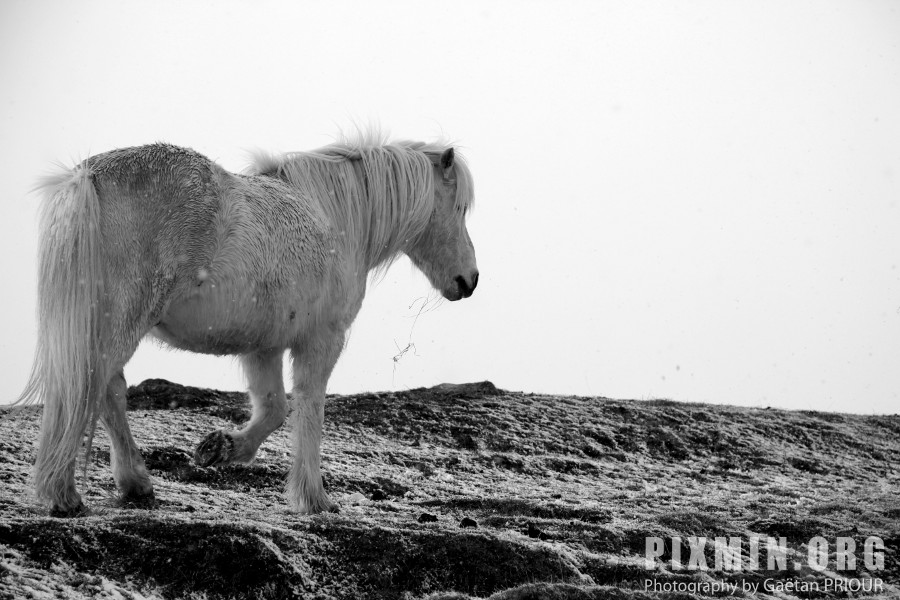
453	294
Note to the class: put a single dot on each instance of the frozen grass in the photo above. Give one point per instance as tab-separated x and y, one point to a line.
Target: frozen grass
563	490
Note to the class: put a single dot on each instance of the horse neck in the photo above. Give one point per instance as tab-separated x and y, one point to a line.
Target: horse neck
378	212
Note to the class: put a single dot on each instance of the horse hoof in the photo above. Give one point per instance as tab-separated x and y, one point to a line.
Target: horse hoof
67	513
324	505
137	500
217	448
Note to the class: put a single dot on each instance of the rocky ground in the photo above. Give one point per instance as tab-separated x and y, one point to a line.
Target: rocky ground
467	491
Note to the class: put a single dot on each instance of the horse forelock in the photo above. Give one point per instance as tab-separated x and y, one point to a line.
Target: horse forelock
380	195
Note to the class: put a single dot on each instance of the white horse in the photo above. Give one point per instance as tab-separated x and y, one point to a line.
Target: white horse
159	239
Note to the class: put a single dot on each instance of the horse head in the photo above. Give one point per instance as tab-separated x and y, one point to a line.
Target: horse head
444	251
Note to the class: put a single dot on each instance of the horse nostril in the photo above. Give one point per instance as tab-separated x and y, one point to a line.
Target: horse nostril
464	289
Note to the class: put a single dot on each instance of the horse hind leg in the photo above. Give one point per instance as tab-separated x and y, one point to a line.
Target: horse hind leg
54	481
68	414
55	484
264	375
129	471
121	339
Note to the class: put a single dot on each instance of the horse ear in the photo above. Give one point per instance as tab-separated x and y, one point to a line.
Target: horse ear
447	160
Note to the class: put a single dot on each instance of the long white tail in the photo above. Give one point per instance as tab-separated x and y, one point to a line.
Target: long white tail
68	374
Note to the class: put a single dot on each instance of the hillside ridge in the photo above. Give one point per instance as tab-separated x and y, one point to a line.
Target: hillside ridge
457	491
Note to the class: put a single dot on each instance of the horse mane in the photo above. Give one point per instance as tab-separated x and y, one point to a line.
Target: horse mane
380	193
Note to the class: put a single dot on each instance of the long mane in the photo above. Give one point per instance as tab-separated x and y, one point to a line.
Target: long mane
379	194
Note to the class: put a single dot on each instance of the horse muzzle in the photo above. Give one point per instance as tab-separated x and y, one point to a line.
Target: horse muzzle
463	288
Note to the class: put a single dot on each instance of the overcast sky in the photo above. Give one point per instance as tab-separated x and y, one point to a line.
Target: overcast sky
693	200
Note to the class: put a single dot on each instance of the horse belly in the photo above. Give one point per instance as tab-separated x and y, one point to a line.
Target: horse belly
231	321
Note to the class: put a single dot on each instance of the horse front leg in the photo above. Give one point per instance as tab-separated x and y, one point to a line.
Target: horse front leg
313	363
264	375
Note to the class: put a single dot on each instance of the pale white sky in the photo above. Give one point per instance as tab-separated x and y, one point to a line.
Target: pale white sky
694	200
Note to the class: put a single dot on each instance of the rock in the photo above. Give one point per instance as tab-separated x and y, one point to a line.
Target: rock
357	498
467	390
533	532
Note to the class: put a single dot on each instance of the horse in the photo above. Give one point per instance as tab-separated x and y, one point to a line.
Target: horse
160	241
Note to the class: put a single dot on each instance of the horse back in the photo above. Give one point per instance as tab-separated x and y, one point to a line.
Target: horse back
184	236
174	203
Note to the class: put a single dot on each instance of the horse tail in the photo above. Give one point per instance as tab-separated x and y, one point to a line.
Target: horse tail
68	373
